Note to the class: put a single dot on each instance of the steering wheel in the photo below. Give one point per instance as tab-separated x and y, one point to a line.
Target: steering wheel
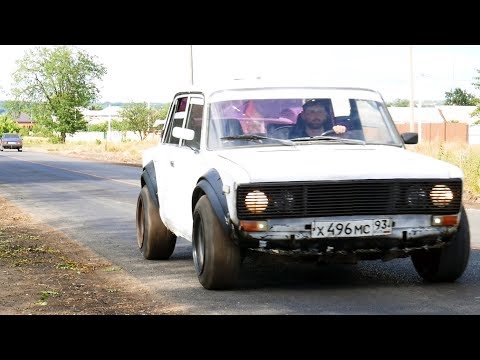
330	132
281	132
348	134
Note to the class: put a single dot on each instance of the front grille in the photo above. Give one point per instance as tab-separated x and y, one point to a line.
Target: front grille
353	197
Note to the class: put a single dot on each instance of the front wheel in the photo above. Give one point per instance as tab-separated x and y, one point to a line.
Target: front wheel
449	263
154	240
216	257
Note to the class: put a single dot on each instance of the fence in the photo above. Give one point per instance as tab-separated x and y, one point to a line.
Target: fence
113	136
451	132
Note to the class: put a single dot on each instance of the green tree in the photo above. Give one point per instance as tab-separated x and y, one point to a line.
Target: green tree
139	118
17	107
96	107
163	112
477	86
119	125
57	82
7	125
459	97
400	103
98	127
115	125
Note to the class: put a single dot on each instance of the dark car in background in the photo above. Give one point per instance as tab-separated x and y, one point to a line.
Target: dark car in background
11	141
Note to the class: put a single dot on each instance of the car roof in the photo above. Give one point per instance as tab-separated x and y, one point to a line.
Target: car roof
267	86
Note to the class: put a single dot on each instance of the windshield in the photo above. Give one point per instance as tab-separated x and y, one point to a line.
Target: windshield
11	136
309	119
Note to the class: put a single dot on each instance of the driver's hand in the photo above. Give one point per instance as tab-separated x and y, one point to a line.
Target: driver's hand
339	129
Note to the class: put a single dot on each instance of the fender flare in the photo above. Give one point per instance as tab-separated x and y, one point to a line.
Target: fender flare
149	179
211	185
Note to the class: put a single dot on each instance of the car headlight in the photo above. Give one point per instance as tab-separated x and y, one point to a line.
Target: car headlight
441	195
256	201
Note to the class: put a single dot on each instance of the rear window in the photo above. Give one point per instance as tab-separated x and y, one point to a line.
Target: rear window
11	136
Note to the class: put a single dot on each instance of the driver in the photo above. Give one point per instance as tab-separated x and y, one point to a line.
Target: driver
314	120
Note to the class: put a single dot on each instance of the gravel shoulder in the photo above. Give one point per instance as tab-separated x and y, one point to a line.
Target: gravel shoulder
45	272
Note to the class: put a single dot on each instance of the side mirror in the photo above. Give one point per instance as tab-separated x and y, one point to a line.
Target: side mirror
182	133
410	138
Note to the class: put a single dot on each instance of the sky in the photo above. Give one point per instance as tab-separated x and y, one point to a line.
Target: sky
153	73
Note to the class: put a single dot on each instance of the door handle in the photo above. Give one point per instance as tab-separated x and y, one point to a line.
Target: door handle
172	163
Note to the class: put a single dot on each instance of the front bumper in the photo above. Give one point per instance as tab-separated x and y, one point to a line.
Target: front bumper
405	228
11	146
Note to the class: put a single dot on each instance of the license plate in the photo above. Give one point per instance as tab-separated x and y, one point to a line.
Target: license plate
12	142
373	227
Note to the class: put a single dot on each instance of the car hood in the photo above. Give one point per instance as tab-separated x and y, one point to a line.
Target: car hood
337	162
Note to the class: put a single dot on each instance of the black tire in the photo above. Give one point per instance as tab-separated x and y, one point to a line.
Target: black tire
154	240
449	263
216	257
19	149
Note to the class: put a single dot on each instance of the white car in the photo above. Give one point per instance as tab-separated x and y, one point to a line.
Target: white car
310	171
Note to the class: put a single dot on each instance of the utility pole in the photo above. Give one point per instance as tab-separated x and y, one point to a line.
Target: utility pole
453	75
191	64
412	104
109	128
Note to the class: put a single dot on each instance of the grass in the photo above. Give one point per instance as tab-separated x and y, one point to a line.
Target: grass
68	264
8	249
112	268
465	156
20	256
44	295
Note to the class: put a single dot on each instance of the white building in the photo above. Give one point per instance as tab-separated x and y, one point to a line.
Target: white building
102	116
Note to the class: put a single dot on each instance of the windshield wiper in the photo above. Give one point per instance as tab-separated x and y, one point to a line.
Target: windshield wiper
258	137
329	138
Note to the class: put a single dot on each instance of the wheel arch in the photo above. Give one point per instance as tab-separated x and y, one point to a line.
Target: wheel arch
149	179
211	185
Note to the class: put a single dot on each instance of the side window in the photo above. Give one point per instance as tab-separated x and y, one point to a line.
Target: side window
194	121
372	121
176	119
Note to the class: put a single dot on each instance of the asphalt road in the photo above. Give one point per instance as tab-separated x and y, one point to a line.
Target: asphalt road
94	203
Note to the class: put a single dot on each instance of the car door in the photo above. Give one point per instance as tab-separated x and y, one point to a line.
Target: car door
162	159
186	166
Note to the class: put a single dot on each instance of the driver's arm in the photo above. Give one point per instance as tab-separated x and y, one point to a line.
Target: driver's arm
339	129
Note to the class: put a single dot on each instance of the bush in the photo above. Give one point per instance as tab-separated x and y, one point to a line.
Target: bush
54	140
7	125
97	127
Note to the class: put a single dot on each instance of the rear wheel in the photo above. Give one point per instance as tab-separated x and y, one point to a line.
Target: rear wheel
154	240
216	257
449	263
